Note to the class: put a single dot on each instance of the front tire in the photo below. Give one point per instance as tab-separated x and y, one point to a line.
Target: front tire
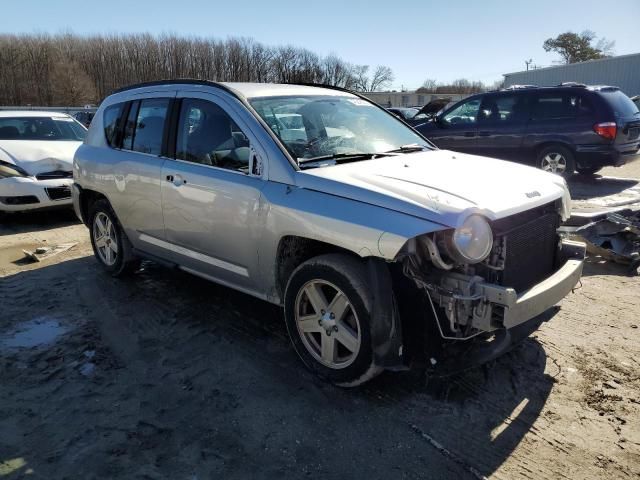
328	317
556	159
111	246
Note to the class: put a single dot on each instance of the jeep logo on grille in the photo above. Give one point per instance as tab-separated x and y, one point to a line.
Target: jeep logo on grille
535	193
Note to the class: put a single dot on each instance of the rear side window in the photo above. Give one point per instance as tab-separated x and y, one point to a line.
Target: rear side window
561	105
149	125
621	105
503	109
110	120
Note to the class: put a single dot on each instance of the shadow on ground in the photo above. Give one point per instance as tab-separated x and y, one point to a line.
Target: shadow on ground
584	187
191	379
14	223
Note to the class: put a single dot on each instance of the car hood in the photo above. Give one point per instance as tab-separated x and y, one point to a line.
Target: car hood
434	106
39	156
440	186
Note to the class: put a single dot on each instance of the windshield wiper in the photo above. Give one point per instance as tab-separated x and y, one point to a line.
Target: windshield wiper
413	147
343	156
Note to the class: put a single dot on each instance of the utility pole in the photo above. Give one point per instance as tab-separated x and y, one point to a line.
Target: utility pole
528	62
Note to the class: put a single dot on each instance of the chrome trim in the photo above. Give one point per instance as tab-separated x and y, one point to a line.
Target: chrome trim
216	262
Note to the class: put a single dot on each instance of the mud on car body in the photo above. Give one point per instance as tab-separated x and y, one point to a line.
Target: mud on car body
384	251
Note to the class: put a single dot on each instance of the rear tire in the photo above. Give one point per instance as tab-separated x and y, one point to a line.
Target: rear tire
111	246
556	159
328	315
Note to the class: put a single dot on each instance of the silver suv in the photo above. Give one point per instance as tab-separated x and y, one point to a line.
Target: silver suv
384	251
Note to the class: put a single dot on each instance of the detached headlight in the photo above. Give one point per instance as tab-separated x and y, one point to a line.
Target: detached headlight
8	170
471	242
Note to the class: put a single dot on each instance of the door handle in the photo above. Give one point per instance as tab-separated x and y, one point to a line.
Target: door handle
177	180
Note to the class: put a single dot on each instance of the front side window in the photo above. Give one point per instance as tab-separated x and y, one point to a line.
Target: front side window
208	135
327	125
41	128
464	114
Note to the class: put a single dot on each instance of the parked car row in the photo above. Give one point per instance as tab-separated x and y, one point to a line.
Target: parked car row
384	251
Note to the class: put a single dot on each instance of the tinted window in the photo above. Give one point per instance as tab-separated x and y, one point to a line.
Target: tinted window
622	105
502	109
41	128
561	105
130	126
110	120
464	113
149	127
208	135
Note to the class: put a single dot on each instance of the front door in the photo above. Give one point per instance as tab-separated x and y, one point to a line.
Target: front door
210	201
457	129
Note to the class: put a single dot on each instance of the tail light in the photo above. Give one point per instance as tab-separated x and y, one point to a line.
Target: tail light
606	130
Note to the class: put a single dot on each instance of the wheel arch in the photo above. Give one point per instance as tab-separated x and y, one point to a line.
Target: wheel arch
86	199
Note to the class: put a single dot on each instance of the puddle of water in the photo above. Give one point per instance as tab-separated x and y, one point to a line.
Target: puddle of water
33	333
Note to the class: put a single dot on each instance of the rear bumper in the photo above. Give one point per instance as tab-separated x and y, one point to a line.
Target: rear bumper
19	194
592	156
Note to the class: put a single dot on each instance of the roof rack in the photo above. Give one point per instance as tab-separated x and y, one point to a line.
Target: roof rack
519	87
572	84
183	81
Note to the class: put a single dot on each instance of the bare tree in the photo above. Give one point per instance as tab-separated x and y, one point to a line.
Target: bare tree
381	78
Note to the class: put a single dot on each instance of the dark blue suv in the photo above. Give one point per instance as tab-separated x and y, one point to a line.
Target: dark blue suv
559	129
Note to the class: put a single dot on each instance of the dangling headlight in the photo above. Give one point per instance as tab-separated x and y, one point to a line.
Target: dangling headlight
471	242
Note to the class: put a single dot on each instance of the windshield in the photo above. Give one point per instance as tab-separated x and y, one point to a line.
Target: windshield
41	128
320	126
622	105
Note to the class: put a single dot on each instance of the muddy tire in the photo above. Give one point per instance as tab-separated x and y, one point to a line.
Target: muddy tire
556	159
111	246
328	316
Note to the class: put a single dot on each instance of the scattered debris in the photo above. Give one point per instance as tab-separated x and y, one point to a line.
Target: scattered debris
42	253
614	237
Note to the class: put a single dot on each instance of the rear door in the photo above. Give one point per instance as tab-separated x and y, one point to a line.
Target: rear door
137	167
210	200
502	122
457	129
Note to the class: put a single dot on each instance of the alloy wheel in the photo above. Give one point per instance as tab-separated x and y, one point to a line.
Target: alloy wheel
105	238
554	162
327	324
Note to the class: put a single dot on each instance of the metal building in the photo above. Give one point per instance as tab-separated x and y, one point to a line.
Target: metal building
622	71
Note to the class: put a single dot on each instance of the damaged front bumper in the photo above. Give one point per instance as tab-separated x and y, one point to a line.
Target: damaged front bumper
472	306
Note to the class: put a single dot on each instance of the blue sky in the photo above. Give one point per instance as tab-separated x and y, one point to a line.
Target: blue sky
442	40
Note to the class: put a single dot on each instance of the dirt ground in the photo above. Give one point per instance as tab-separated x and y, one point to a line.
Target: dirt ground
164	375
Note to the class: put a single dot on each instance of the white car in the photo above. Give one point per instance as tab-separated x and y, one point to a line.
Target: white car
36	159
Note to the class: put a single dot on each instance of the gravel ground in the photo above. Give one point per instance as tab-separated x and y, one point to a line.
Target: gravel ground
164	375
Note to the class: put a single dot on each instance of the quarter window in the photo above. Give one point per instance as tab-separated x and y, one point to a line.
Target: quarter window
561	105
208	135
110	121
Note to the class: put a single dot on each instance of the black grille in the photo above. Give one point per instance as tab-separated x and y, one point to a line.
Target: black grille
58	193
54	175
21	200
531	243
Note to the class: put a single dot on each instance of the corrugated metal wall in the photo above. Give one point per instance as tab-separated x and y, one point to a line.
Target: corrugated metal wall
622	71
